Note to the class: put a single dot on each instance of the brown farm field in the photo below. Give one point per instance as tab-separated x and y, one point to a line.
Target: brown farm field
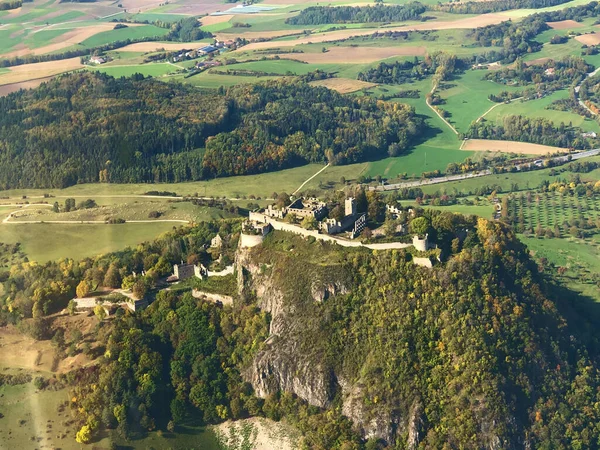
564	24
343	85
356	55
72	37
211	20
482	145
28	72
589	39
339	35
8	88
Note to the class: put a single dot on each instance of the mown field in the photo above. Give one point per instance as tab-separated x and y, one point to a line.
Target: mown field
49	242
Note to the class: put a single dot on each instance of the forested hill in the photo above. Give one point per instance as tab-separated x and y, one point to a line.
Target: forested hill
478	352
88	127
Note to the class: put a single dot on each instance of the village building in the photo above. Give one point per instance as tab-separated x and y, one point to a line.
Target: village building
352	221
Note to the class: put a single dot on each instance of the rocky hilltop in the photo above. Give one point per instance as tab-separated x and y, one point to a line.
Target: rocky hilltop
473	352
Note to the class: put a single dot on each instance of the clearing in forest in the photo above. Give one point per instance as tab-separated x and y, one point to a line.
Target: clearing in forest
481	145
343	85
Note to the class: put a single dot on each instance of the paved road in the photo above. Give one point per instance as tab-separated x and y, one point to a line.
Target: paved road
425	182
578	87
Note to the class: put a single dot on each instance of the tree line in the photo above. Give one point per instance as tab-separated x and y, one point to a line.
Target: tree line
535	130
318	15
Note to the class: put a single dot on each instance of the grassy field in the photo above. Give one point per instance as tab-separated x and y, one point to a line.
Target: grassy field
537	108
134	209
261	185
467	97
49	242
578	256
152	69
31	419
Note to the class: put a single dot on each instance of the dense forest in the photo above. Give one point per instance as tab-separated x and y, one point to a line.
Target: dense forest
318	15
91	127
10	4
494	6
535	130
478	351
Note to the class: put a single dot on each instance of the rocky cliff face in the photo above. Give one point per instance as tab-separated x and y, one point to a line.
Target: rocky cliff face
284	365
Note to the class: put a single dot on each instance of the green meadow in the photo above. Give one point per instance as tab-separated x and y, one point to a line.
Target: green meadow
539	108
466	99
49	242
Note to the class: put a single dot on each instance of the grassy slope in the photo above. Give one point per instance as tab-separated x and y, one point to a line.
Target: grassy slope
537	108
467	98
54	241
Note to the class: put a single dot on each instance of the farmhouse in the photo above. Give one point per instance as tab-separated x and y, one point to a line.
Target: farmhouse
97	60
207	50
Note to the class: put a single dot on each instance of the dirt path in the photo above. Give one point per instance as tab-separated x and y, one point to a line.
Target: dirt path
495	106
303	184
438	114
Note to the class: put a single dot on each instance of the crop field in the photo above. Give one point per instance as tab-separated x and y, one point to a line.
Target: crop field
28	72
522	148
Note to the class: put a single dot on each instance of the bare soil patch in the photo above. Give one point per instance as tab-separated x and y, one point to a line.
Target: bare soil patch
356	55
467	23
343	85
27	72
9	88
564	24
156	46
211	20
479	145
589	39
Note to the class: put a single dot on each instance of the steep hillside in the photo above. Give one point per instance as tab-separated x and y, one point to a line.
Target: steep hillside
355	348
470	354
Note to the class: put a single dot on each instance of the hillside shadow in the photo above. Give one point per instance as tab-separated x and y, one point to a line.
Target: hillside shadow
581	312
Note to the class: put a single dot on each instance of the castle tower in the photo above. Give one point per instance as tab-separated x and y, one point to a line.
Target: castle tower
350	206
